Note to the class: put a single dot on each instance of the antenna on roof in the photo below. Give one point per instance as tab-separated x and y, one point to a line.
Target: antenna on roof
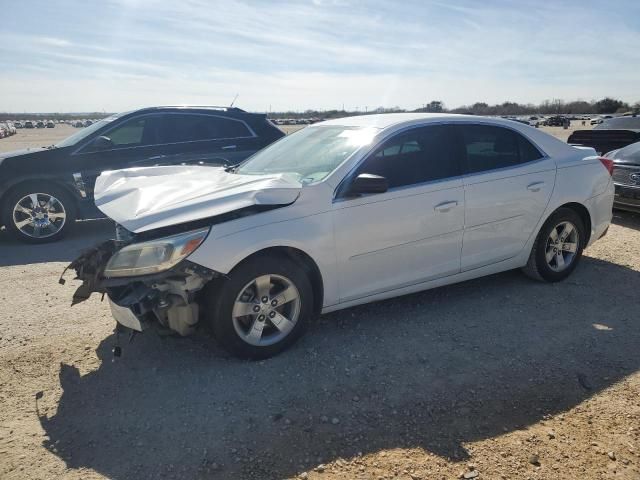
234	100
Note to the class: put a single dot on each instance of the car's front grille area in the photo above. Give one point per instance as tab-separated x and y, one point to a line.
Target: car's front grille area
626	175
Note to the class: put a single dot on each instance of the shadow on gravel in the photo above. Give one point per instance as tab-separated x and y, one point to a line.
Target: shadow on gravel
83	235
626	219
431	370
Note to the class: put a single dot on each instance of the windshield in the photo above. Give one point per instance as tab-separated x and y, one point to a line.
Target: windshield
311	153
85	132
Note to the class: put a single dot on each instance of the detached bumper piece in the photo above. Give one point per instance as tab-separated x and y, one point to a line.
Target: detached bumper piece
168	297
89	267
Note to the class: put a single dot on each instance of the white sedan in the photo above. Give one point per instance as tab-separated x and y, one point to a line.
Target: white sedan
342	213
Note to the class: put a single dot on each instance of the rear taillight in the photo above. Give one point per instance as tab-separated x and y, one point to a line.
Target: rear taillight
608	164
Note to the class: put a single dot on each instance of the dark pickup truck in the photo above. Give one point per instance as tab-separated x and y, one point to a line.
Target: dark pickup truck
612	134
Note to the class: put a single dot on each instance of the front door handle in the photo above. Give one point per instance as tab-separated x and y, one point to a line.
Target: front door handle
535	186
445	206
229	147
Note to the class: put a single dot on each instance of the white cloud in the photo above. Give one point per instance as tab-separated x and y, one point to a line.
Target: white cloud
54	42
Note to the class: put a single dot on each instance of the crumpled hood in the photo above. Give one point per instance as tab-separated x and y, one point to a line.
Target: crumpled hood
142	199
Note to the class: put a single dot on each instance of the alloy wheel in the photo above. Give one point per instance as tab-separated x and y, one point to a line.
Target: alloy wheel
562	246
266	310
39	215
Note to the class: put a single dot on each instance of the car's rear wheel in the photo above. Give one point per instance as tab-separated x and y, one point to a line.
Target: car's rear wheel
558	247
262	308
38	213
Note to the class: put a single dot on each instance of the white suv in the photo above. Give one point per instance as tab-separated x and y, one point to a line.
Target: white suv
342	213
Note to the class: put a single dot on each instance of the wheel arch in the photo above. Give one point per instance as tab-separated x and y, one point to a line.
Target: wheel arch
584	214
8	189
304	260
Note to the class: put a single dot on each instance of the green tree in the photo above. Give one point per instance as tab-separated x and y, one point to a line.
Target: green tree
609	105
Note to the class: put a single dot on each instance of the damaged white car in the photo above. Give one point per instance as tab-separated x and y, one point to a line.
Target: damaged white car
341	213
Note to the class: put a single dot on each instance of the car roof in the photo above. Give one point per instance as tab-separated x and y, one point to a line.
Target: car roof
396	121
384	120
387	120
191	107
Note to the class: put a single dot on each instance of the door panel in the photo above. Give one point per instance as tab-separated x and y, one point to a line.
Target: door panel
389	240
411	233
503	205
502	213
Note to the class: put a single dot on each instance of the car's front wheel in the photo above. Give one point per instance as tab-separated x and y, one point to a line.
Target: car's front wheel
262	308
38	213
558	247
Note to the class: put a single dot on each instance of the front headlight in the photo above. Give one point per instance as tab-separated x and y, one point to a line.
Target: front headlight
154	256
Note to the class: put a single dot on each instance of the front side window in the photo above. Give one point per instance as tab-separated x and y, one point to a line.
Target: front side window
421	155
489	147
85	132
193	128
129	134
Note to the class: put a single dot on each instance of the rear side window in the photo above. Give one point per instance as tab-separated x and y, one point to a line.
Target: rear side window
193	128
421	155
528	152
488	148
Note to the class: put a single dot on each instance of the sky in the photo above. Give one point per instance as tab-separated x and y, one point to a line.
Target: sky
116	55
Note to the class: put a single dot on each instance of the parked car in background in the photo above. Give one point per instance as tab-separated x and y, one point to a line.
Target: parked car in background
19	125
42	191
50	124
555	121
626	176
3	131
600	119
534	121
612	134
10	127
29	124
40	124
342	213
78	124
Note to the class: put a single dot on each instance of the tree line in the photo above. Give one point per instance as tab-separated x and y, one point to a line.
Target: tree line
548	107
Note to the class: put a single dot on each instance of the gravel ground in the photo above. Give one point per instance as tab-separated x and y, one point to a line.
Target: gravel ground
499	377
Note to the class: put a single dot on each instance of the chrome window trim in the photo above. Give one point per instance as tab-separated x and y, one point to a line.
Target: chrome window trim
463	175
135	117
407	187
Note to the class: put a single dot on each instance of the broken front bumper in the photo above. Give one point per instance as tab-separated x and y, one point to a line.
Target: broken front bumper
125	316
169	297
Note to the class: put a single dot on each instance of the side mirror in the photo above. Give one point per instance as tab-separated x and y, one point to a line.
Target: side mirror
101	143
368	183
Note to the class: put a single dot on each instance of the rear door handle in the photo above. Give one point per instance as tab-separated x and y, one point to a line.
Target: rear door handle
535	186
229	147
445	206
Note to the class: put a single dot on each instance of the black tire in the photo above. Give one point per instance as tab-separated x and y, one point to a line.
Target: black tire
41	188
220	299
537	266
